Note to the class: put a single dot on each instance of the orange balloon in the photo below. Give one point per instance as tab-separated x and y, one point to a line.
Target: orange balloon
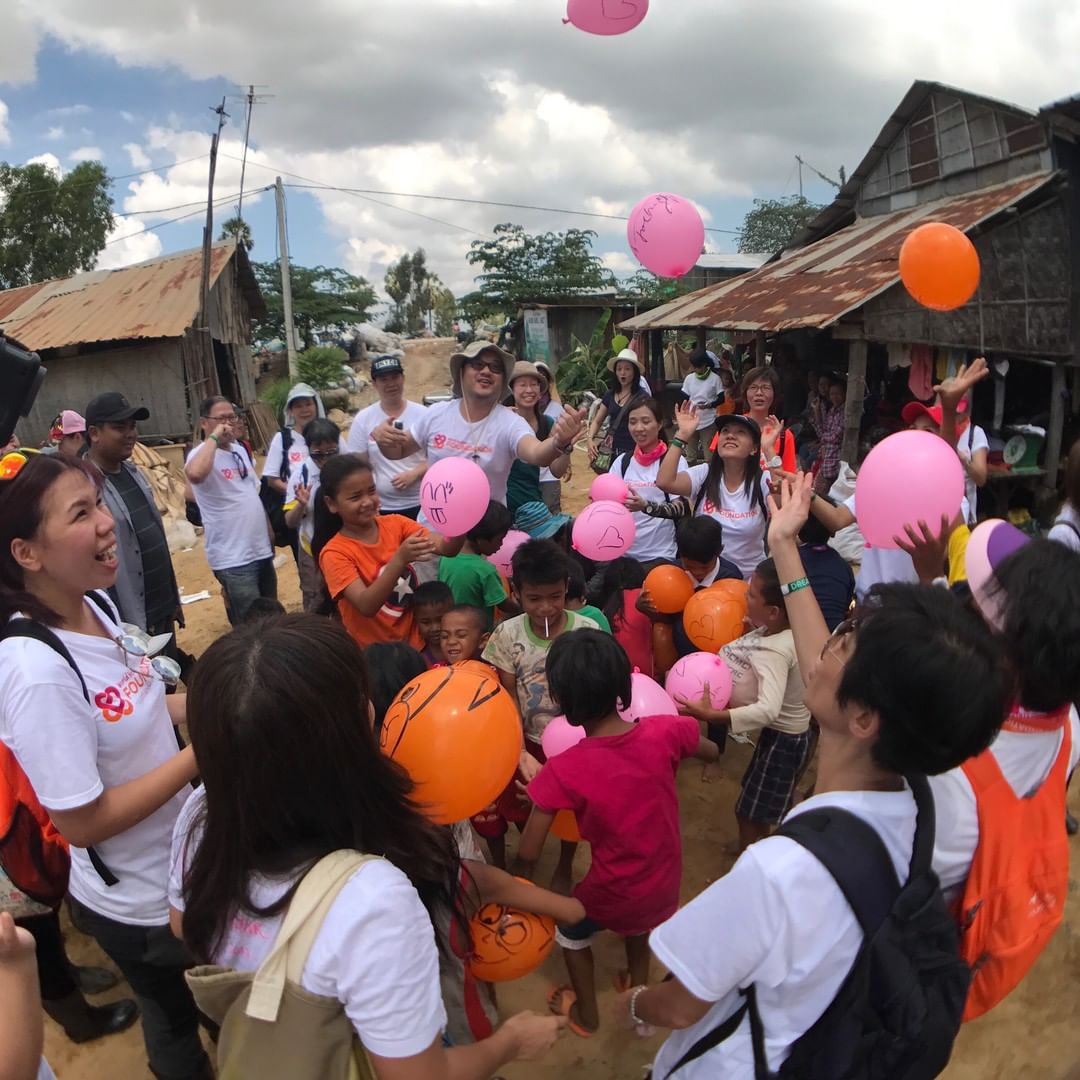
712	619
457	733
939	266
736	588
565	826
507	943
669	588
663	646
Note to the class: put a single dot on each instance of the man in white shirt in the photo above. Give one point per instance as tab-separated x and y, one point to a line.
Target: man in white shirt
475	425
397	474
704	389
238	543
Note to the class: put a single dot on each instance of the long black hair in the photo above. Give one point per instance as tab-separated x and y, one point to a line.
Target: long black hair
313	779
333	474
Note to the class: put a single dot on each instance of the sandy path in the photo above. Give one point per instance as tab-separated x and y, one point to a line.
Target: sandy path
1034	1035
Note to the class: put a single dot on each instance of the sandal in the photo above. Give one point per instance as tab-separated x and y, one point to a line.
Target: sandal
621	981
560	1001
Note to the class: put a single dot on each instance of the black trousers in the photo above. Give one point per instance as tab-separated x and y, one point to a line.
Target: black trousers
153	962
54	973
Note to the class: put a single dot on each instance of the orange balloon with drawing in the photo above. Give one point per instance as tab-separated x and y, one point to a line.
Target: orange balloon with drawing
457	733
507	943
713	617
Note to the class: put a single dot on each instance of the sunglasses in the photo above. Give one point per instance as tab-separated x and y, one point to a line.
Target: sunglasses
837	637
136	646
13	461
321	455
241	467
477	364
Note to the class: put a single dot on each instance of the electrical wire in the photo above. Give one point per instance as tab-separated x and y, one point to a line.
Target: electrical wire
223	201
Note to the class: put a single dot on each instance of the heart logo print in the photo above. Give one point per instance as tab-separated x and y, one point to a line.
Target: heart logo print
439	441
112	705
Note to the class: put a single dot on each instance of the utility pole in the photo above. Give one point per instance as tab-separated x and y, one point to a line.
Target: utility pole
249	101
286	281
208	229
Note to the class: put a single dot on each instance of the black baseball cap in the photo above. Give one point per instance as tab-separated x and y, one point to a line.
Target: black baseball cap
747	422
113	407
386	365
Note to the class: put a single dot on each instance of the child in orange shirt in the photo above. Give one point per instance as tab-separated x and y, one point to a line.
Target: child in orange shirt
366	558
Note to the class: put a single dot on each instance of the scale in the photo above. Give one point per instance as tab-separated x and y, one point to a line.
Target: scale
1021	452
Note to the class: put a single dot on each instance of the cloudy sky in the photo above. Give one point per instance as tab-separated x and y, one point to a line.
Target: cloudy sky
490	100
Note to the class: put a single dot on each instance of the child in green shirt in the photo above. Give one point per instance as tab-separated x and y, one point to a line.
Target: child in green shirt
576	597
472	579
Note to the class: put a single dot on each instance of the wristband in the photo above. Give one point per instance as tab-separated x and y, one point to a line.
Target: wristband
794	586
634	995
214	437
678	444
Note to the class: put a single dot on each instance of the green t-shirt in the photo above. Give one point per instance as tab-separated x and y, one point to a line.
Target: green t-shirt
596	615
473	580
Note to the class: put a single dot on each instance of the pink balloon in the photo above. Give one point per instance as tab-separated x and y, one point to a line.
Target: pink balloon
455	495
560	735
501	559
666	234
647	698
609	487
909	477
687	678
606	16
603	531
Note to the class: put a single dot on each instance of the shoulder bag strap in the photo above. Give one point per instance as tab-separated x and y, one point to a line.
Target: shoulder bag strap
714	1038
631	401
303	919
286	446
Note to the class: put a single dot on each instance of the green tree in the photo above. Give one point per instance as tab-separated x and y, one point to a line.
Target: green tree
517	266
51	226
236	228
323	298
398	284
415	291
657	290
444	309
772	223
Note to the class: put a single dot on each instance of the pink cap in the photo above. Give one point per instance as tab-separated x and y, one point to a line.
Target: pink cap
71	423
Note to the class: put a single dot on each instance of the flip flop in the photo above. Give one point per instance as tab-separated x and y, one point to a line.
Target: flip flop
621	981
560	1001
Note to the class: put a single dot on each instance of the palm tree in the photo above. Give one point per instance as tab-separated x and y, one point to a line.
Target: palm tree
239	230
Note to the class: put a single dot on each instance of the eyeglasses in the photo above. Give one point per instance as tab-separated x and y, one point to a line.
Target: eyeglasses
320	455
760	387
137	646
837	637
478	364
224	418
241	466
13	461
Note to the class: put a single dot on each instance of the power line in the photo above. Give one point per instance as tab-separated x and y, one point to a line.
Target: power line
182	217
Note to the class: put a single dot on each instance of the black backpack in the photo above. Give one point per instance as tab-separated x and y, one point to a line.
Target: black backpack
897	1013
274	502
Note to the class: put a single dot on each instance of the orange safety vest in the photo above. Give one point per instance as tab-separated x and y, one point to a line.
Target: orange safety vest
1014	896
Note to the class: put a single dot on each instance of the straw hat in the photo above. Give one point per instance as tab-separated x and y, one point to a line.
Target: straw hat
523	368
457	362
630	357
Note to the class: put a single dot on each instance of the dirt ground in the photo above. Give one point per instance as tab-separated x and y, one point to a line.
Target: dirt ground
1033	1035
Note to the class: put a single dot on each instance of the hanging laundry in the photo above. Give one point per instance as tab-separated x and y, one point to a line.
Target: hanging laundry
921	377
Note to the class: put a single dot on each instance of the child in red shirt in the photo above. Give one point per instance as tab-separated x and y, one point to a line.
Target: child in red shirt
619	782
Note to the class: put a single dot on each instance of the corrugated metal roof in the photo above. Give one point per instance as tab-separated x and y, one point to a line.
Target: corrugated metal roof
155	299
738	260
816	285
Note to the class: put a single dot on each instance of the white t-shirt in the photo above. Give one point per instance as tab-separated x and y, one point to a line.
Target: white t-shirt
375	951
72	751
297	455
1024	758
307	472
359	441
443	432
979	441
554	410
881	564
232	514
777	920
655	537
740	516
1069	535
703	392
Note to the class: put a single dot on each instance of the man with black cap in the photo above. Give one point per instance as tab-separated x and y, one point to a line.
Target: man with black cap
397	473
145	589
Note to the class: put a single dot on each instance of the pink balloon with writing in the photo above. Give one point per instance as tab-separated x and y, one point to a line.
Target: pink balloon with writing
454	495
501	559
560	735
604	531
647	698
688	677
909	477
606	17
610	487
666	234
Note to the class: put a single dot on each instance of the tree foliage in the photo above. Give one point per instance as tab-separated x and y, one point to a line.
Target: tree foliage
236	228
51	226
517	266
585	369
320	366
772	223
657	290
420	299
323	298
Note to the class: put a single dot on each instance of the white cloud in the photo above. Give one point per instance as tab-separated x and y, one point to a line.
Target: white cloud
86	153
5	135
54	134
128	118
71	110
50	161
139	158
18	45
128	243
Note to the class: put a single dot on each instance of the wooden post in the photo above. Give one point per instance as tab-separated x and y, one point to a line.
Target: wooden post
286	280
853	407
759	348
1057	424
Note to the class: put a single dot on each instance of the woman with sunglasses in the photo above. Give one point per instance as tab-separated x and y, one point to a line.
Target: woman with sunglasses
104	764
915	685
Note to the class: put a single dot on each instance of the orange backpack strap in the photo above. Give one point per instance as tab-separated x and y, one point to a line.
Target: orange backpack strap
984	773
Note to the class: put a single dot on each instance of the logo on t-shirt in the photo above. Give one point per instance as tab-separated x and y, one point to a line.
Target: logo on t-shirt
112	704
227	473
295	456
400	600
438	441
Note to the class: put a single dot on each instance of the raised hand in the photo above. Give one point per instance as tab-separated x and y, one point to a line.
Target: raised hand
927	551
952	390
568	426
789	514
686	419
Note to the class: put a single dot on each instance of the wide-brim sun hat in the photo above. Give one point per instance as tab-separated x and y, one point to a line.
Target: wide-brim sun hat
630	357
545	370
523	369
538	521
470	352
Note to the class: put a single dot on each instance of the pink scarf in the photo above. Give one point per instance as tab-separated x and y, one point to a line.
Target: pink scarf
655	454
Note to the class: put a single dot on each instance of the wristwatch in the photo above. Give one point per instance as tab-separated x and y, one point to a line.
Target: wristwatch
774	462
